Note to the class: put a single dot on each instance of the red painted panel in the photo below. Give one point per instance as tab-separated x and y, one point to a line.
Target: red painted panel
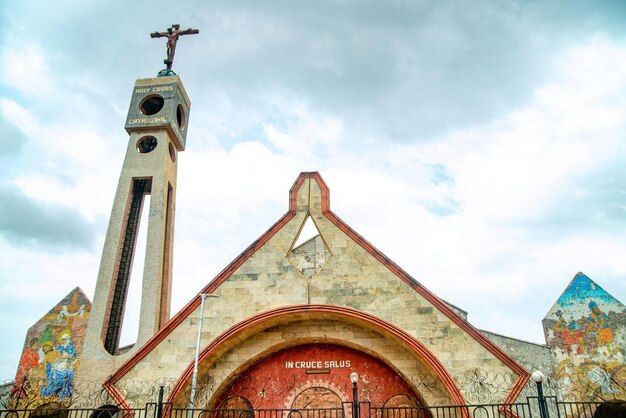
287	376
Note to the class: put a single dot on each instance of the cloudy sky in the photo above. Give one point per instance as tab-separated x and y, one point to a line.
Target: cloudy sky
481	145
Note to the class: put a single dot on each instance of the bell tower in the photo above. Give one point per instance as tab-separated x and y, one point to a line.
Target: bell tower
157	128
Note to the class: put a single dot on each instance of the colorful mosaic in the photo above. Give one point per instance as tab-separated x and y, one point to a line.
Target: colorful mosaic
52	350
586	329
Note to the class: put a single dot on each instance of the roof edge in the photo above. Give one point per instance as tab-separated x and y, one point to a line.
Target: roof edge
193	304
443	307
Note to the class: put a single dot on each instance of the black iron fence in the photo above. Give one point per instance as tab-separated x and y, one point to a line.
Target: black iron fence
259	413
552	408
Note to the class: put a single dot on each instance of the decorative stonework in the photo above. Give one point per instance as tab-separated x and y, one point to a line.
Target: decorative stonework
319	392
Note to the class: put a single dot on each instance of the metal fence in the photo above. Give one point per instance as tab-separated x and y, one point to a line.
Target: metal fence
532	408
258	413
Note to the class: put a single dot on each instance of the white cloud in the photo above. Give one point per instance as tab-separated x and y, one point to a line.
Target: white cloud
306	136
516	167
506	181
474	214
25	69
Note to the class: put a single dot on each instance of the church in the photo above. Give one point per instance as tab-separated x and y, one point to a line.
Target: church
293	322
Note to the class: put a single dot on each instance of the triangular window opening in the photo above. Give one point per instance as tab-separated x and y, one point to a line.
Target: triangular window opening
309	252
309	230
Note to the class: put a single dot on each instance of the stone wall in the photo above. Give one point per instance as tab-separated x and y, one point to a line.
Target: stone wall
530	355
217	372
352	277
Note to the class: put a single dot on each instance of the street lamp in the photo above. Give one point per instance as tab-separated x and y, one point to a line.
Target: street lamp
354	378
538	378
195	365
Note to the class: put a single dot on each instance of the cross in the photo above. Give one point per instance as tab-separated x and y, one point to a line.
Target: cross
70	311
172	35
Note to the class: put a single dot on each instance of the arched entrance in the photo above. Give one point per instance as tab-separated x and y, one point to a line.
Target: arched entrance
227	359
316	376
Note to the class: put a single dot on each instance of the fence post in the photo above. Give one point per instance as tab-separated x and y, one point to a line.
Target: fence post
354	377
160	404
538	378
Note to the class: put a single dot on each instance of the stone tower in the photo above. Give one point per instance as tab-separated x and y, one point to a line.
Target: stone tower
156	123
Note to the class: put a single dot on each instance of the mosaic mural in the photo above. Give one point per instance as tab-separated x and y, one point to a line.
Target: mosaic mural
51	351
586	329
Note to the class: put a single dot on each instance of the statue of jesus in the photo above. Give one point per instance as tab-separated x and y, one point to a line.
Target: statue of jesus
172	34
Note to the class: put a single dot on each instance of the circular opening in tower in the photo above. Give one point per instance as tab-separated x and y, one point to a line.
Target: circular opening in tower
151	104
172	152
180	116
146	144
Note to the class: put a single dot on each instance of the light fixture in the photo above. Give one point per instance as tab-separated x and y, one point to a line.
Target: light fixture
354	378
537	376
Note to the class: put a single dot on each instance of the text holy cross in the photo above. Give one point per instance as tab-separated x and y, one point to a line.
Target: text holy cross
172	35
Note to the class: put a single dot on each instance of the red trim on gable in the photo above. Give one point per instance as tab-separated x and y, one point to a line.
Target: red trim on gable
334	311
293	192
500	354
116	395
522	373
210	288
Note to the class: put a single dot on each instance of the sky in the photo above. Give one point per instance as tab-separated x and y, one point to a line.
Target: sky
480	145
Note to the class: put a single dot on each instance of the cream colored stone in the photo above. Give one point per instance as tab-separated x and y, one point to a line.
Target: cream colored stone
351	278
96	363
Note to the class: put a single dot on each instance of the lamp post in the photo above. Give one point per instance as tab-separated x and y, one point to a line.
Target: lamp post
195	365
354	378
538	378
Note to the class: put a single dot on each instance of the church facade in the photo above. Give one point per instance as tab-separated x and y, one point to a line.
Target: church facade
288	322
357	312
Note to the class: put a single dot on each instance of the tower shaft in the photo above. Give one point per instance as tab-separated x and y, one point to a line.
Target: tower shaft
156	123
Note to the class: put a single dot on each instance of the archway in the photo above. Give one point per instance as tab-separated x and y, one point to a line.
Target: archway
227	357
316	376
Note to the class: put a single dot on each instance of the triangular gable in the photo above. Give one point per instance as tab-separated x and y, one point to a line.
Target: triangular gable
574	306
63	327
441	306
74	304
586	327
583	290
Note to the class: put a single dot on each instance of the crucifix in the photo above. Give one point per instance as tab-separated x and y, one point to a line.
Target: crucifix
172	35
